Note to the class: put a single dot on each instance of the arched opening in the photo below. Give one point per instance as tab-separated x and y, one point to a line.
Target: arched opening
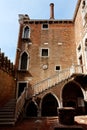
24	61
71	104
72	96
49	105
31	109
26	32
86	52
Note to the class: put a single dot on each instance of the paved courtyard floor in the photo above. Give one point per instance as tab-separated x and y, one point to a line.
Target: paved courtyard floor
43	124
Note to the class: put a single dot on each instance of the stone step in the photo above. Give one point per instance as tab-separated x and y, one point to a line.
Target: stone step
10	104
12	101
6	116
51	120
7	109
7	113
7	121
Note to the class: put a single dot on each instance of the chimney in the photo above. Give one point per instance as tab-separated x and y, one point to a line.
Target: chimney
51	10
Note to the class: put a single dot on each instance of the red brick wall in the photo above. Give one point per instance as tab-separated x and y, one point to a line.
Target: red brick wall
7	87
80	35
78	26
63	55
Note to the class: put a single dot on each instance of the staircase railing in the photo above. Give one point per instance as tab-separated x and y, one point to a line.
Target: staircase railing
46	84
20	103
55	79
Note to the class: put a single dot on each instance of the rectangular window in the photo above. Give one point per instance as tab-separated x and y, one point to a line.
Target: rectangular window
57	67
45	26
44	52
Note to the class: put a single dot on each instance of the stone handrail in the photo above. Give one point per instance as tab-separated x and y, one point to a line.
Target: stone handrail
55	79
20	103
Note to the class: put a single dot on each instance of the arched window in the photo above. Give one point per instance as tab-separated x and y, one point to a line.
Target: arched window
26	32
86	52
24	61
83	4
86	44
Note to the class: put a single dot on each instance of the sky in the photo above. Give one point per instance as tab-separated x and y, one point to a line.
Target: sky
36	9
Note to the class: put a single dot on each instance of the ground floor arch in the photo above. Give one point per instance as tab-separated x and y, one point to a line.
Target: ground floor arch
72	96
31	109
49	105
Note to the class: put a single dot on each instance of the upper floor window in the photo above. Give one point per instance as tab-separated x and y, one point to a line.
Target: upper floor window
86	52
57	67
83	4
24	61
79	48
44	26
44	52
86	45
26	32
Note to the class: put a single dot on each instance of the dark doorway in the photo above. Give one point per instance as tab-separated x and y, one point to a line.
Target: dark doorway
71	104
31	109
81	63
24	61
72	96
49	106
21	87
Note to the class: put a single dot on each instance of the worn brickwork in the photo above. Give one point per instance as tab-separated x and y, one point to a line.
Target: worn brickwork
80	24
60	41
7	87
7	80
62	38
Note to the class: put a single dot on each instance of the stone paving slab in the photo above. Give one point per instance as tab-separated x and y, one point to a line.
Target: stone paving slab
43	124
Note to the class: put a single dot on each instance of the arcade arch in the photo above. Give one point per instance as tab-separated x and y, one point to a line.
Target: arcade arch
31	109
49	105
72	96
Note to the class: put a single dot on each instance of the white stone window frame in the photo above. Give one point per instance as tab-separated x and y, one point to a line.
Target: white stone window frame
41	52
83	12
23	31
85	53
83	4
56	69
79	52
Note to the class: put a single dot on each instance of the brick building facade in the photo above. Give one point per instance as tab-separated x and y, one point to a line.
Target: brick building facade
50	52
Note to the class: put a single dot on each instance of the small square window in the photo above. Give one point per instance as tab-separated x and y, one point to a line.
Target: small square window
45	26
57	68
44	52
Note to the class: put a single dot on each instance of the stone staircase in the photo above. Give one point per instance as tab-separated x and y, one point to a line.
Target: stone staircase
7	113
11	111
56	79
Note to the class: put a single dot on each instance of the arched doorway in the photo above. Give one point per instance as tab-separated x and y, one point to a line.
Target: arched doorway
72	96
49	105
31	109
